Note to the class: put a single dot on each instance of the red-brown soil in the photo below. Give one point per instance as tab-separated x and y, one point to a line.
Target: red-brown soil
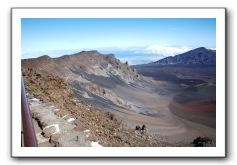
203	112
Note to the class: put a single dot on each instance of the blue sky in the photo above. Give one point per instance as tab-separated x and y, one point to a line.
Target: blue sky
141	38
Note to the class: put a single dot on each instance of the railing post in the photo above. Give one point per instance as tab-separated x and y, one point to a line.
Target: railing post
28	128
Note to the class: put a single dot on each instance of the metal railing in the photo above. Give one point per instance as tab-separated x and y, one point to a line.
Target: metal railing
28	133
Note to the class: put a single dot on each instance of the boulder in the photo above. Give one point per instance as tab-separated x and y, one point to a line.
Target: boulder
50	130
54	139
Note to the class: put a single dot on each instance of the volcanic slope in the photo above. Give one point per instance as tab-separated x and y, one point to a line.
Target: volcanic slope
61	120
112	86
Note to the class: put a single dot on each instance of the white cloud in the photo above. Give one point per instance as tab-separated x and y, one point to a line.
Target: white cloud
165	50
152	53
142	59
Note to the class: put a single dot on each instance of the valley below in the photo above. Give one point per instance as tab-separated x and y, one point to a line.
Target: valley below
190	98
144	105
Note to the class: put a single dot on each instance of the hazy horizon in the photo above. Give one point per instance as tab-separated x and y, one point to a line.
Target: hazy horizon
132	56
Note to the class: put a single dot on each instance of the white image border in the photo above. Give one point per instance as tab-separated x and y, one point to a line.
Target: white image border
218	151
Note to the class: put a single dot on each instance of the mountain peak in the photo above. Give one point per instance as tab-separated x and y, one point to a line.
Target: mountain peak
89	52
200	48
44	57
198	56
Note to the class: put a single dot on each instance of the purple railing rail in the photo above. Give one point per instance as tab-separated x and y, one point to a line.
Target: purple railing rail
29	138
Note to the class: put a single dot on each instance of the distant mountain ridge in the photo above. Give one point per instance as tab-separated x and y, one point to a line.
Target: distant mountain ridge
198	56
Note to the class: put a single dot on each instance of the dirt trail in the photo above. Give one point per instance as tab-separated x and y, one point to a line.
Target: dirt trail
53	131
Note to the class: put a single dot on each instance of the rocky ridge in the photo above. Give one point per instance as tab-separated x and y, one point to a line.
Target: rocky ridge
84	70
90	62
198	56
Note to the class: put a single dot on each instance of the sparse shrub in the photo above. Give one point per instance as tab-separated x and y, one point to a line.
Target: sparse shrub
143	127
111	116
104	91
33	89
108	126
138	127
201	141
38	75
51	98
